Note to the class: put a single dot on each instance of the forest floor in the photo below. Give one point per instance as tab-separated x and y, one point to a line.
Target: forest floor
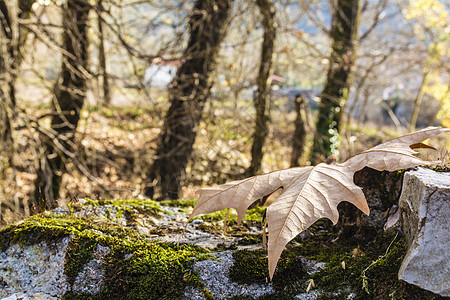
117	145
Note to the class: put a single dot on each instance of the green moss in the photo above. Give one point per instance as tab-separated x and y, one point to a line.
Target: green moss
46	227
250	240
371	275
152	271
141	205
254	215
251	267
184	203
116	209
79	253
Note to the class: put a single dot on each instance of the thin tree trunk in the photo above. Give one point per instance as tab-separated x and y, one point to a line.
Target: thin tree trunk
262	101
6	39
363	110
102	57
436	112
8	49
298	139
362	82
418	103
69	99
187	95
6	138
15	37
334	96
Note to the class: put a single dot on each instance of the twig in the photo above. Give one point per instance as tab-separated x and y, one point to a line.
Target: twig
364	277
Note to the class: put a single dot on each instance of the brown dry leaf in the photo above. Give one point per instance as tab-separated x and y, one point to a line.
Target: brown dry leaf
312	196
310	193
421	145
395	154
357	252
241	194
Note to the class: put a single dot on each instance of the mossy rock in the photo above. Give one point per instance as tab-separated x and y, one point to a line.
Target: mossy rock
368	271
134	267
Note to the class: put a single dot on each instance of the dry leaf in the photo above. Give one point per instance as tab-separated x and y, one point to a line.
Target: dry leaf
395	154
421	145
310	193
242	193
357	252
313	195
310	285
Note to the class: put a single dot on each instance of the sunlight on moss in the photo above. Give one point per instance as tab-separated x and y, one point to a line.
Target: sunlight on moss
252	215
141	205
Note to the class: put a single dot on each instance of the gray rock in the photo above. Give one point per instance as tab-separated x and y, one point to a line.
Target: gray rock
393	220
37	296
214	274
193	235
382	190
34	269
425	204
37	271
308	296
90	278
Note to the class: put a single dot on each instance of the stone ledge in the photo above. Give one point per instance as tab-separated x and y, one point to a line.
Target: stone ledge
425	204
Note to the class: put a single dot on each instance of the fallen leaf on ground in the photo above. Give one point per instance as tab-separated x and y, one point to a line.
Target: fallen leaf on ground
311	193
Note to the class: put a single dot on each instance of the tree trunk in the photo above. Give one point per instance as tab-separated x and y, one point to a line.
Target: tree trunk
69	99
6	139
344	31
364	106
5	59
262	101
187	95
102	57
15	37
8	52
298	139
10	59
417	104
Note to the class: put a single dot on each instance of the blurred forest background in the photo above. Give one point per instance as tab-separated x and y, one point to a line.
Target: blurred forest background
148	98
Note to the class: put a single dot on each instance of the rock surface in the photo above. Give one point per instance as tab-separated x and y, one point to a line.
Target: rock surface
425	207
38	271
34	269
214	275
